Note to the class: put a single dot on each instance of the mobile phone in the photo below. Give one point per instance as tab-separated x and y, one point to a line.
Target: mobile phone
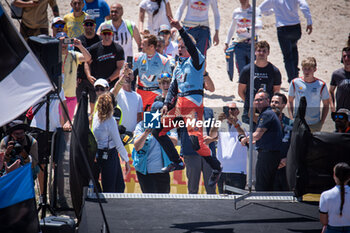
225	109
129	61
68	41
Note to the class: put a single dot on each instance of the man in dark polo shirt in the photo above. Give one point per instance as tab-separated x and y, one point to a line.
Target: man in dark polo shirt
268	140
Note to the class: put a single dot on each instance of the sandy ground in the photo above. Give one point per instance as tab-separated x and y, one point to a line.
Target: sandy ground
330	30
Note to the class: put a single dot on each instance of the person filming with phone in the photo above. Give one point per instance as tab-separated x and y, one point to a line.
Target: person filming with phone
231	154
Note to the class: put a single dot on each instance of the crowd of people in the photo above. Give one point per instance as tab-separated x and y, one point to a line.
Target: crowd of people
168	75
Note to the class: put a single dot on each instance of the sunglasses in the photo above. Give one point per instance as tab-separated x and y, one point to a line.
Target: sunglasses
164	33
89	24
339	116
165	75
233	109
58	25
107	33
99	89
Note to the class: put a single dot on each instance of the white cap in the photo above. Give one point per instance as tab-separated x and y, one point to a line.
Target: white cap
164	27
56	20
101	82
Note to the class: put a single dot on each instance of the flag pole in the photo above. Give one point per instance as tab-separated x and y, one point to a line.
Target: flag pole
251	98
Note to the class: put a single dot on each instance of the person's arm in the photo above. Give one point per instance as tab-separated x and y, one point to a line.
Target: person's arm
85	56
54	8
325	110
113	132
34	152
141	19
87	70
208	83
304	7
242	88
180	10
173	140
256	136
172	93
119	84
324	220
140	141
22	4
214	7
291	107
66	124
168	10
230	33
276	88
266	7
331	97
137	38
115	74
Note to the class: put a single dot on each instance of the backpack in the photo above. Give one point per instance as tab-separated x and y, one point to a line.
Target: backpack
128	25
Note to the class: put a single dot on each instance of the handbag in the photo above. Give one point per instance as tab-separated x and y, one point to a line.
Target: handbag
16	12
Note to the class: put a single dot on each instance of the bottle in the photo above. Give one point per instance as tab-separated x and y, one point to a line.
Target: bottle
90	191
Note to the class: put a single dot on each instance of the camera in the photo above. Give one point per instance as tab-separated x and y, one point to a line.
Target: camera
68	41
15	153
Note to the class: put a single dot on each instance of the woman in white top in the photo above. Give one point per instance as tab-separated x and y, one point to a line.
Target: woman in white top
108	140
157	11
335	203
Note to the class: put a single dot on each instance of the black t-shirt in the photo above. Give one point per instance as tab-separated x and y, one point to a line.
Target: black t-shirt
341	79
272	138
104	59
265	78
86	43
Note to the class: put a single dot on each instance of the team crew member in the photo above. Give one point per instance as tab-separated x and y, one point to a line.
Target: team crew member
187	85
268	138
149	66
124	31
107	58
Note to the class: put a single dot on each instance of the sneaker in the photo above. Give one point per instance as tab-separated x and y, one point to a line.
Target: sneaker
173	166
214	178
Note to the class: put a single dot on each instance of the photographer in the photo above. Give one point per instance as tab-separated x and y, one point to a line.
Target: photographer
18	148
231	154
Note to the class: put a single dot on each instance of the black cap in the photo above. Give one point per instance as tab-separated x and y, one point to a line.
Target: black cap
16	125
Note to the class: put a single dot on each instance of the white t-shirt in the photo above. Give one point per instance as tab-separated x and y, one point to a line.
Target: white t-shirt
197	13
155	21
230	152
330	203
123	37
130	104
314	92
172	49
39	119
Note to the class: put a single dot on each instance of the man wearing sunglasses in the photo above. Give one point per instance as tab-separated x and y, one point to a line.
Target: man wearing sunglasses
342	120
341	81
57	25
124	31
268	141
107	58
87	39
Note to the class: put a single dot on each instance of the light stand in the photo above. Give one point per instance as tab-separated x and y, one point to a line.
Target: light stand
43	205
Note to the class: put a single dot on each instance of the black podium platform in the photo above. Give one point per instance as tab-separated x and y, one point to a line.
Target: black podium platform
198	213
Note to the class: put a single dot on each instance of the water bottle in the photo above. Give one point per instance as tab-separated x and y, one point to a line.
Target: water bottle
90	191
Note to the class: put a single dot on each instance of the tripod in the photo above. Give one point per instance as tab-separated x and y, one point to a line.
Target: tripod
43	205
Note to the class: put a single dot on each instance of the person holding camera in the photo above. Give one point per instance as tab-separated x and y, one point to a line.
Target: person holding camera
70	61
231	154
18	148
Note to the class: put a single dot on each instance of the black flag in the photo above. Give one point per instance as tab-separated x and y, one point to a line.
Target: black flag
79	175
